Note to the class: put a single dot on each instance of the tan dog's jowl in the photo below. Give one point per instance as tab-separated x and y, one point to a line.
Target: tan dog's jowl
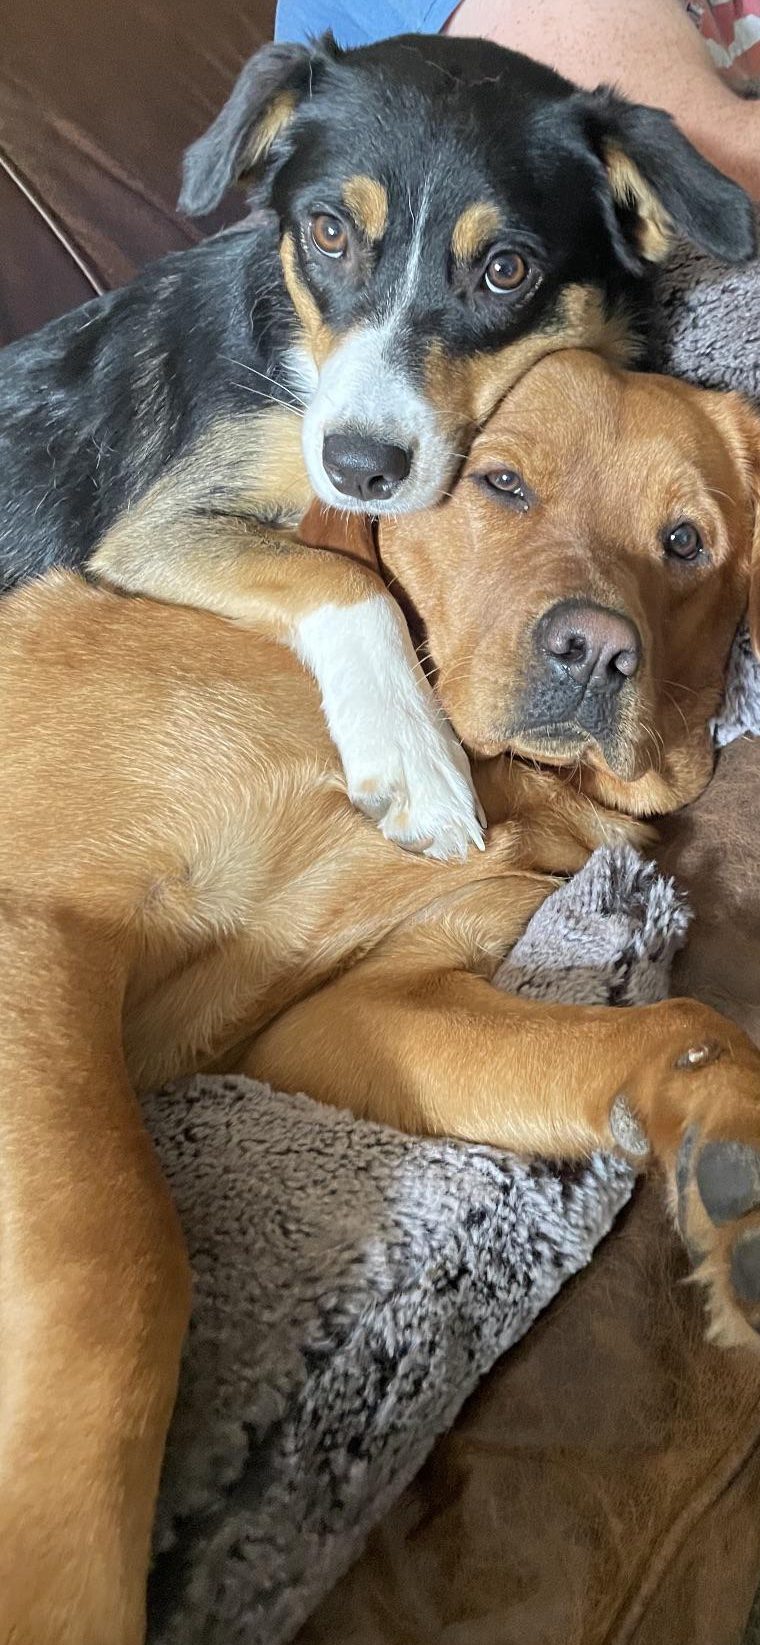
185	885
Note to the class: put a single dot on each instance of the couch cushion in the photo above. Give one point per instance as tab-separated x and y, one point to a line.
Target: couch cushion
97	102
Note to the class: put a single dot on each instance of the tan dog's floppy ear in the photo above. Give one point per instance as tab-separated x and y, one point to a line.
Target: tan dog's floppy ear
750	424
257	112
659	186
740	424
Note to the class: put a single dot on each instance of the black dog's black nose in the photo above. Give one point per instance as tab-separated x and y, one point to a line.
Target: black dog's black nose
596	648
364	468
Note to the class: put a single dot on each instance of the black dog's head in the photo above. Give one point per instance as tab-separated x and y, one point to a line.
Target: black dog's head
449	211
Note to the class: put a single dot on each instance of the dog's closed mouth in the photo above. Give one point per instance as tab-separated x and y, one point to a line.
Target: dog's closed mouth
567	743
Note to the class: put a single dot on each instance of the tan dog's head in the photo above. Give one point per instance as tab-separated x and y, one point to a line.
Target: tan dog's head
580	589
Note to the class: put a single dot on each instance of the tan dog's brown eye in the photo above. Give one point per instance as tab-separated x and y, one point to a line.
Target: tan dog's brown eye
329	235
506	479
505	272
683	541
509	486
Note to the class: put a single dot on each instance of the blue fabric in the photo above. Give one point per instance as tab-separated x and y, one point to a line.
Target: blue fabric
357	22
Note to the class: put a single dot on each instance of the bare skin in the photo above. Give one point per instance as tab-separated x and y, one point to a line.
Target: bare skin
648	49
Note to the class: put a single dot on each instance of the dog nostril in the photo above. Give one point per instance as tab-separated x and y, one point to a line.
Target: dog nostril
590	645
567	648
368	469
380	485
626	663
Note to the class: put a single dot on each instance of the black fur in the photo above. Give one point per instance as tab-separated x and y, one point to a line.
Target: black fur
99	404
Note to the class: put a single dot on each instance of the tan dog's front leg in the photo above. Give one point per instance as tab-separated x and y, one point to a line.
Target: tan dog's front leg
442	1051
404	767
94	1298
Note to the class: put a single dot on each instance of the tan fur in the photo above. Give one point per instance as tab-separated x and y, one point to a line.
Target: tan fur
184	885
464	390
248	472
473	229
593	534
166	546
276	116
367	200
318	337
655	231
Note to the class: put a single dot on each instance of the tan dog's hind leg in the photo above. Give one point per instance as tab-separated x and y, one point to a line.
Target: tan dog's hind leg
440	1050
404	767
94	1297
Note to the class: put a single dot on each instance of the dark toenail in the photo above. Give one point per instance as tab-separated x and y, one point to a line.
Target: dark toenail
728	1179
698	1056
626	1130
745	1266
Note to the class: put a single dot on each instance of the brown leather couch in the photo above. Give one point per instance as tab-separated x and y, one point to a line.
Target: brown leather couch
603	1486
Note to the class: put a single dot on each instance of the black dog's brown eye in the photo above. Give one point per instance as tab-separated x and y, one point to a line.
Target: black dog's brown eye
329	235
683	541
505	272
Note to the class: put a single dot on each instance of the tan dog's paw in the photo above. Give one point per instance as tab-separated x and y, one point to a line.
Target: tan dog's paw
718	1188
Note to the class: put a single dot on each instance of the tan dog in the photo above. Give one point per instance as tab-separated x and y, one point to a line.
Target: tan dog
185	885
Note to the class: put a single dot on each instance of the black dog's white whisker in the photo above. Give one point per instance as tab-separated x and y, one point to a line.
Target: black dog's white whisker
261	394
265	378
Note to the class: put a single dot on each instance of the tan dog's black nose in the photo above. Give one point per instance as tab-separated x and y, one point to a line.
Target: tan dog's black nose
593	647
362	467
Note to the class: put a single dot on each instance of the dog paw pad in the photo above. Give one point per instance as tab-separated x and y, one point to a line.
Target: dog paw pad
745	1266
728	1179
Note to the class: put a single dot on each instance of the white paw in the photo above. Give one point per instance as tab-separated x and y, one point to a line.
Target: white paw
418	789
404	766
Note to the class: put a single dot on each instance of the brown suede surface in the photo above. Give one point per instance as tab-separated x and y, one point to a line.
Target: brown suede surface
603	1485
714	849
97	102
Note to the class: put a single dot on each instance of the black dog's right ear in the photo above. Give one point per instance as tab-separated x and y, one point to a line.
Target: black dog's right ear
660	186
262	103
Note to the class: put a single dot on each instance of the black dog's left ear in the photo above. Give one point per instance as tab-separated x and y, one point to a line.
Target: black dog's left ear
660	186
259	109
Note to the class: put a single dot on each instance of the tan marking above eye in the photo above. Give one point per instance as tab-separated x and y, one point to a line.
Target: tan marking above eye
473	229
367	201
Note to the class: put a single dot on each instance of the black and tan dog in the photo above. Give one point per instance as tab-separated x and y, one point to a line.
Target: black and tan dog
440	213
184	884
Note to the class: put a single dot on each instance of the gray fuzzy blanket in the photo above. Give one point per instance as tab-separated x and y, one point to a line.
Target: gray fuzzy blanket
352	1285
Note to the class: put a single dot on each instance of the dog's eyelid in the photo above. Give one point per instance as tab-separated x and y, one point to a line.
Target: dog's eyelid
510	245
686	541
327	208
515	494
340	214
